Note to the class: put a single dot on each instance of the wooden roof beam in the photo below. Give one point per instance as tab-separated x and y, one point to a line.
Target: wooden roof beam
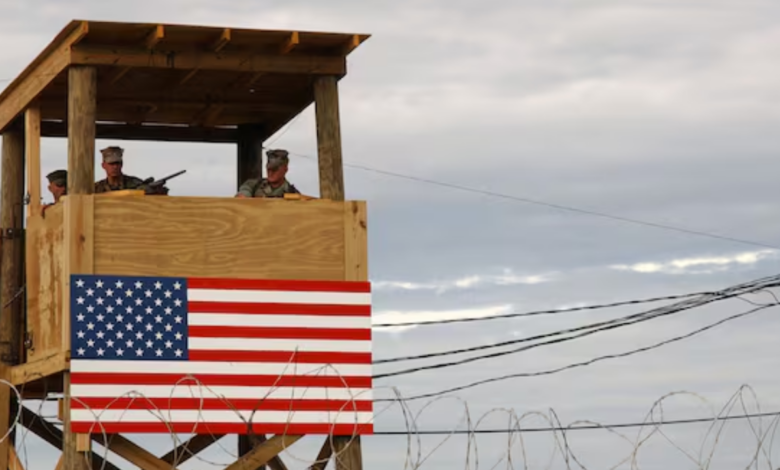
121	131
113	78
207	116
44	69
188	60
154	38
290	43
351	45
222	41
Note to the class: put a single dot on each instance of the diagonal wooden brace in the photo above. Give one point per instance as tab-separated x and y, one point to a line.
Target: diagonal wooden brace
263	453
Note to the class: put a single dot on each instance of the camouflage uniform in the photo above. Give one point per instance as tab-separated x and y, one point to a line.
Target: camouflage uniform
260	187
114	155
127	182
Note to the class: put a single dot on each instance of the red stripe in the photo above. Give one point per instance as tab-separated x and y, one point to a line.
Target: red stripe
260	308
222	428
202	331
301	381
279	285
300	357
259	404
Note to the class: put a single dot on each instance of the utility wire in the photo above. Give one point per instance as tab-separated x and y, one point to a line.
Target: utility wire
586	330
545	312
586	427
588	362
485	192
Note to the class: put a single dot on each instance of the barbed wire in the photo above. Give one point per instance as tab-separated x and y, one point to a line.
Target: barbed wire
416	456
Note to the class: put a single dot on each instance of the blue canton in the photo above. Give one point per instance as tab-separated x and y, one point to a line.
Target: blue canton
128	318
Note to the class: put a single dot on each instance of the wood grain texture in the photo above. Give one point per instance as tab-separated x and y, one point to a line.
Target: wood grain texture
82	111
326	111
79	259
32	150
241	238
45	257
355	241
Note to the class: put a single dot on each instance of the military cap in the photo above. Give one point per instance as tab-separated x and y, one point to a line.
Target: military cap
112	154
58	177
277	158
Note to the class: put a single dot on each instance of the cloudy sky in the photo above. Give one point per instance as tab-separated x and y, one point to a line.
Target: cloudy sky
658	111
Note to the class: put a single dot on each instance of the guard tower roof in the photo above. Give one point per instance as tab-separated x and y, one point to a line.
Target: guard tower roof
177	82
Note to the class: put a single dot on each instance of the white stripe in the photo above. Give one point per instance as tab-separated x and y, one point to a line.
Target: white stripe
219	416
264	344
187	389
220	368
282	297
289	321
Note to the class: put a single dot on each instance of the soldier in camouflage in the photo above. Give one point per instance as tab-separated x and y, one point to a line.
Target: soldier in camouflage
115	180
58	186
276	184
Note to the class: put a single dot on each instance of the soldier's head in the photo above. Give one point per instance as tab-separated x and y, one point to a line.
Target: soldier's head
276	167
58	183
112	161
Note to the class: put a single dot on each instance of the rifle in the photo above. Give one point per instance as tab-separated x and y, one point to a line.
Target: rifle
153	186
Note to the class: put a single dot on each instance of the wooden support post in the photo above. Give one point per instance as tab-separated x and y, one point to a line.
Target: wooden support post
326	109
82	108
11	275
32	150
250	152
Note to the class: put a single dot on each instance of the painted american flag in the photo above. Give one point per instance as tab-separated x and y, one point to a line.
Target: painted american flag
196	355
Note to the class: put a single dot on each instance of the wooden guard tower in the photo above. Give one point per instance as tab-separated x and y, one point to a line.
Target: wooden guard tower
161	83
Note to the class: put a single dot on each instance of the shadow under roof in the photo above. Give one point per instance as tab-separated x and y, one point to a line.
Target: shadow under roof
198	82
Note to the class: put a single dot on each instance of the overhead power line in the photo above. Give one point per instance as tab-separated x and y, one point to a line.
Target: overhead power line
538	202
586	330
588	362
584	427
544	312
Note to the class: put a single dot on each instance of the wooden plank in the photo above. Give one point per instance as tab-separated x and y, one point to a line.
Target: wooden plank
82	108
11	281
155	37
326	111
348	448
250	153
15	462
222	41
323	456
155	133
32	152
355	241
45	262
264	452
132	452
191	448
195	59
44	367
197	236
83	443
42	71
348	455
79	243
290	43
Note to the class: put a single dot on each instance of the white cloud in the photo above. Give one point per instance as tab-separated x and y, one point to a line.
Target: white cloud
507	278
701	265
398	316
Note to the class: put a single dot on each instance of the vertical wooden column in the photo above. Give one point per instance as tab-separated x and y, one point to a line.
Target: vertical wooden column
82	107
347	449
11	275
250	152
326	110
249	165
32	150
78	218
